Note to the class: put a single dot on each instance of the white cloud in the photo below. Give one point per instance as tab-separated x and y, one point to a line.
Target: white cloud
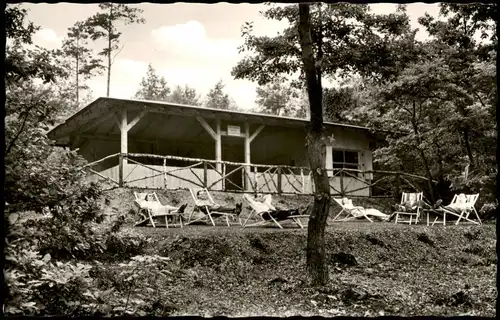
125	78
243	93
185	54
47	38
200	61
129	70
189	40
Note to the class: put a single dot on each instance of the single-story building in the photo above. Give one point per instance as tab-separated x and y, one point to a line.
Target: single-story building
154	144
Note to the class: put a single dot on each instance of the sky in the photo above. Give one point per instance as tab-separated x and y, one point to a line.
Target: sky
187	43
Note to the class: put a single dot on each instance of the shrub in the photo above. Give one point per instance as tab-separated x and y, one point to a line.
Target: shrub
36	286
122	247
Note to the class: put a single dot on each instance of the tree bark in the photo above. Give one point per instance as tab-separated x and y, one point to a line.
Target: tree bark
468	148
422	154
109	51
316	152
77	69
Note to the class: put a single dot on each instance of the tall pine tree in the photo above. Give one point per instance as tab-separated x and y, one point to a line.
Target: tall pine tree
153	87
104	25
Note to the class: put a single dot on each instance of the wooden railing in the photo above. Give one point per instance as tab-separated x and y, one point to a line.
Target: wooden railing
155	171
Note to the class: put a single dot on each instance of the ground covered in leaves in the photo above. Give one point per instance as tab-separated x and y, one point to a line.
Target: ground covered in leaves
375	269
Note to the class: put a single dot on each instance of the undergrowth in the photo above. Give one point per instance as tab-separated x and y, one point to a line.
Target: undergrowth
376	269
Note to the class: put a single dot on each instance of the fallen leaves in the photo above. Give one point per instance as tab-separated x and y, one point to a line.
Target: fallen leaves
375	270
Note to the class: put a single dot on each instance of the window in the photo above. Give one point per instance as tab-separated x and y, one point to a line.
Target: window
345	159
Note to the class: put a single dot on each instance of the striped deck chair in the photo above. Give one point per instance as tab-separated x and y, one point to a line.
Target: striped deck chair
210	209
410	206
150	207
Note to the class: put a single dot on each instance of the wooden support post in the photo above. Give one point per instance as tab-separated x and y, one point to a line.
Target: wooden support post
120	170
216	135
136	119
279	181
247	157
248	140
218	150
255	179
123	144
223	168
303	181
205	177
341	176
165	183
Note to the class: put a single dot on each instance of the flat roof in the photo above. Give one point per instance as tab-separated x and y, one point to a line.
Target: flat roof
104	105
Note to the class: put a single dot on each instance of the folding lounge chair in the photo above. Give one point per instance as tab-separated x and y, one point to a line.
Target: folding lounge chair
350	209
462	206
439	214
154	209
264	211
413	199
211	214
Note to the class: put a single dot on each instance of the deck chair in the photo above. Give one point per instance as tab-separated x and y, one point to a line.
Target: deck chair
153	208
264	211
462	206
352	211
439	214
411	201
209	214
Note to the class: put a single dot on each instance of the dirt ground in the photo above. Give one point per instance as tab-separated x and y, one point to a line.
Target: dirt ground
375	268
121	201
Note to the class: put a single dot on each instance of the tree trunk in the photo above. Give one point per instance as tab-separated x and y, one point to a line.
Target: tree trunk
77	67
316	152
109	64
109	50
468	147
422	155
440	177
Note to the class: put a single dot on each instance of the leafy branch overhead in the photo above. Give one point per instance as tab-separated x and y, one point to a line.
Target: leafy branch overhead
446	102
348	37
23	60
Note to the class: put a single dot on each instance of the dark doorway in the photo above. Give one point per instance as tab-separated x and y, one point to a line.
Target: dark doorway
233	150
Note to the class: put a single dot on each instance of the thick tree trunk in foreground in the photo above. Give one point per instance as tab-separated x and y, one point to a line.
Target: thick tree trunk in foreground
316	152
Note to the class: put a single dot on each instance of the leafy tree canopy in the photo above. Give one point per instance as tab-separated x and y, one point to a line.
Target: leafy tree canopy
346	38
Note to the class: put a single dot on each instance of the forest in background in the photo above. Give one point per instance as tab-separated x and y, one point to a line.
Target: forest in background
439	95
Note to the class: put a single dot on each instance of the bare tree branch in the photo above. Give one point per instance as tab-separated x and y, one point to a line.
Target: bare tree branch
113	60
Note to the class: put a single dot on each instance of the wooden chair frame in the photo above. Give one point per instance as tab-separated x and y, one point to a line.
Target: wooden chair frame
209	214
349	211
149	215
258	212
467	210
405	197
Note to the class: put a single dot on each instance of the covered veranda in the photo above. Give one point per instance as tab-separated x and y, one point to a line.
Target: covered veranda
153	144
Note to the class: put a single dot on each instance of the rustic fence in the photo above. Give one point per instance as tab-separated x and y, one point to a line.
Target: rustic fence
145	171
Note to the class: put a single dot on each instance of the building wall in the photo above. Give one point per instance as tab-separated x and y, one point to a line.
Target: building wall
273	146
279	146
